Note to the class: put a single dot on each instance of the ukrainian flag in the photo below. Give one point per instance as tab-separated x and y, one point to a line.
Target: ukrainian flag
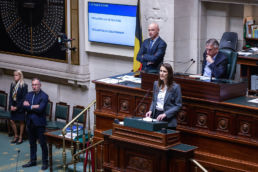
138	39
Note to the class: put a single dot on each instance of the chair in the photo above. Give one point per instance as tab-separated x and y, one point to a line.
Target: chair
61	117
229	40
232	61
82	119
4	114
49	110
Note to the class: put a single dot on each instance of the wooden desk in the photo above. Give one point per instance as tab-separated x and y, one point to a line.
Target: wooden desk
224	132
53	138
249	66
131	149
216	90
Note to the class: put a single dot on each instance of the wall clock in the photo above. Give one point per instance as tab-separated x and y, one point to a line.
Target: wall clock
31	27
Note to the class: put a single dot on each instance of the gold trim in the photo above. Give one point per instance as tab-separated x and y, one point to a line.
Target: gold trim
75	118
10	27
49	29
74	18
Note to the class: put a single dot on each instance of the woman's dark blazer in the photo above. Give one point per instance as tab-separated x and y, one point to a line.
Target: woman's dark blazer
172	102
20	97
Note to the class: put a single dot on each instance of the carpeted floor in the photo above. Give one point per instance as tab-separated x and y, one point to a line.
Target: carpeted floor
11	162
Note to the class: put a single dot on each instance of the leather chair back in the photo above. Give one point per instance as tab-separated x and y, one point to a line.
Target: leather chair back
232	61
229	40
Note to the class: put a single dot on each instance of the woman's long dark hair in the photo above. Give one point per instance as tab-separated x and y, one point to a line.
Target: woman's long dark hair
170	76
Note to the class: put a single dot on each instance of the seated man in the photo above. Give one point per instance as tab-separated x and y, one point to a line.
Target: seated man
153	50
214	62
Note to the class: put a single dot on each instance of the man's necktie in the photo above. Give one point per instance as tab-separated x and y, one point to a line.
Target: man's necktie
33	99
151	42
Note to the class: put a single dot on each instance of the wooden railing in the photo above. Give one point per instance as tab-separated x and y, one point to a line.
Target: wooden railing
74	135
97	147
198	165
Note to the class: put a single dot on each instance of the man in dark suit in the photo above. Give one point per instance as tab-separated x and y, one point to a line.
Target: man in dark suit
153	50
35	104
214	62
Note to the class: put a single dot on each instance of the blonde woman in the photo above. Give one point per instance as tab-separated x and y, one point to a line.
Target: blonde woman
17	95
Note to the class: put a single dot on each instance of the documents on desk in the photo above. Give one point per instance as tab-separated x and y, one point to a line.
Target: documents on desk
148	119
202	78
129	78
121	79
109	80
242	53
253	101
250	51
68	135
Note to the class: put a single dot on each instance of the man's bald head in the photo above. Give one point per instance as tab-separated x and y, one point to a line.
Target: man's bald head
153	30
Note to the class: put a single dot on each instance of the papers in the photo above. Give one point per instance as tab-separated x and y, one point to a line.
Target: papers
254	48
121	79
201	77
68	135
253	101
244	53
195	76
109	80
205	78
129	78
74	128
148	119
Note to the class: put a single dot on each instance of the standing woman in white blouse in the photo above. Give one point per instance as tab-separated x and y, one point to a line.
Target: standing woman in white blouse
167	97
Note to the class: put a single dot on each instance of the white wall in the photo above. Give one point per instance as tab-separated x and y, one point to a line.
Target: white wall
96	60
184	24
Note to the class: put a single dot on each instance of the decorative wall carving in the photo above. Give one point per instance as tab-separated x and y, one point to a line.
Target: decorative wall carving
245	128
140	163
124	105
142	109
107	102
181	117
156	12
223	124
202	120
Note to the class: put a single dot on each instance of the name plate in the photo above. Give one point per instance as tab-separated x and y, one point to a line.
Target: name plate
139	123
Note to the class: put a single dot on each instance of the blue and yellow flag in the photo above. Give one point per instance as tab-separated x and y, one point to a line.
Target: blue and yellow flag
138	39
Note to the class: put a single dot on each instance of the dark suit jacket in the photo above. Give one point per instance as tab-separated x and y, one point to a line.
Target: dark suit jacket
21	93
172	103
218	67
155	54
37	116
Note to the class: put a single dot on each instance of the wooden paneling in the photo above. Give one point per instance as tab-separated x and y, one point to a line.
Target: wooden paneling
74	8
225	133
136	150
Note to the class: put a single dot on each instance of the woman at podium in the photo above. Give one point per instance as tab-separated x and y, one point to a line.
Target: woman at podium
167	97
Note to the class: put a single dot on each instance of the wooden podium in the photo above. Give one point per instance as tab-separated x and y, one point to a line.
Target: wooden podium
217	90
225	132
137	150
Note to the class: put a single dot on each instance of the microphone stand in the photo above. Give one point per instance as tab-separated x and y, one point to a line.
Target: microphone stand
188	67
148	91
18	153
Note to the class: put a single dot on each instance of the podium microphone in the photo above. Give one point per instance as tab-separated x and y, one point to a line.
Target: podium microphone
148	91
188	67
18	153
175	61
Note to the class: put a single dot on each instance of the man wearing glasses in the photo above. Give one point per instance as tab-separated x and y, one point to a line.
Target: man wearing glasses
214	62
35	104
